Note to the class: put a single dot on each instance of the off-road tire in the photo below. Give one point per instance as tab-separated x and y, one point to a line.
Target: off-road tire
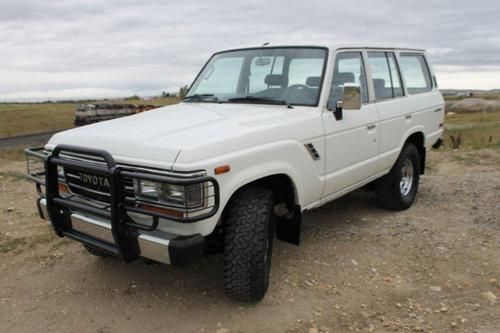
249	233
96	252
388	188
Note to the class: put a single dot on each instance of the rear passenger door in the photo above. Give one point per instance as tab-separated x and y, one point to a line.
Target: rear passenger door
392	106
352	142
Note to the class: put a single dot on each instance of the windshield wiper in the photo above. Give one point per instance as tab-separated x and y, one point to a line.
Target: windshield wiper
255	99
201	97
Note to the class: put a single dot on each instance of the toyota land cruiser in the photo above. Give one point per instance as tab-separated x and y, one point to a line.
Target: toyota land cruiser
264	134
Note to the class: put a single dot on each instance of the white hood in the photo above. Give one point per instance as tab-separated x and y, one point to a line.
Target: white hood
159	135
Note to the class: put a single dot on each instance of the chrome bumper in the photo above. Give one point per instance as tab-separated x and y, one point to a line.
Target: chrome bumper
158	246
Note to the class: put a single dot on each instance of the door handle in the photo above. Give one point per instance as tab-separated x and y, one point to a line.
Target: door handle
370	127
408	116
438	110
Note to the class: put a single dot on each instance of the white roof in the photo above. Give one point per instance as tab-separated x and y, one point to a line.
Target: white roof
333	46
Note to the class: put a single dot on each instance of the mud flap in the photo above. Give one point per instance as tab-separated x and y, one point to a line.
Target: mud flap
288	229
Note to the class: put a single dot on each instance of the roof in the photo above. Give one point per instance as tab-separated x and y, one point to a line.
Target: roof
332	46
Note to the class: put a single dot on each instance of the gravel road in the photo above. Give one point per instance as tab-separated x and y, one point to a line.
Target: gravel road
432	268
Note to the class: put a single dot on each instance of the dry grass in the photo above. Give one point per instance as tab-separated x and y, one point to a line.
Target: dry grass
12	154
17	119
477	130
26	118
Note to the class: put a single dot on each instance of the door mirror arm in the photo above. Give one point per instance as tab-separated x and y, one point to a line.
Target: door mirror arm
338	110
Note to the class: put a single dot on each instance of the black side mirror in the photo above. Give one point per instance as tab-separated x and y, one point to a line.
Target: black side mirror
338	111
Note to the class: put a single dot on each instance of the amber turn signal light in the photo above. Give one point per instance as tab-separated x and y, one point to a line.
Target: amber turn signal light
164	211
222	169
63	188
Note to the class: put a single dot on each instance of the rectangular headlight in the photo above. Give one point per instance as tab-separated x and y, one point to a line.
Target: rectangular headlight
182	196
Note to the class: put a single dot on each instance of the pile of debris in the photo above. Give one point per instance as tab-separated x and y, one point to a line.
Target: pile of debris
92	113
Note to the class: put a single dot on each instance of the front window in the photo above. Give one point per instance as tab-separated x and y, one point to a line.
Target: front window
288	76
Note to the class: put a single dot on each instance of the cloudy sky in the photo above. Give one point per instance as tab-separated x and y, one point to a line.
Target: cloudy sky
107	48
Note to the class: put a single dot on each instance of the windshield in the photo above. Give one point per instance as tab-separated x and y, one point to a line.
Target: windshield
289	76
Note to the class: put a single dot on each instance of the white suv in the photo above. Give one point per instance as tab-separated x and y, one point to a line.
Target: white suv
264	134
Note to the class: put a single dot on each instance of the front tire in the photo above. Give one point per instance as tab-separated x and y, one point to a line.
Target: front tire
398	189
249	233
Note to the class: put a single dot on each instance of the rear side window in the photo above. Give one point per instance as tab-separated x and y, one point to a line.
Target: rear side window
416	73
385	75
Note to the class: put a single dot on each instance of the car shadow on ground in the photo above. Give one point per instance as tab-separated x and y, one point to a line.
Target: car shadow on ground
205	278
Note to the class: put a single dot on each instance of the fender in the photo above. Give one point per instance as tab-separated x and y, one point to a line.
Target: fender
285	157
410	132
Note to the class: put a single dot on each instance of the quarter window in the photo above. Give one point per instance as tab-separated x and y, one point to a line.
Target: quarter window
349	68
385	75
416	73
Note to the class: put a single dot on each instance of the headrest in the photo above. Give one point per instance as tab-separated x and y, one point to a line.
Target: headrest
313	81
344	77
378	83
275	80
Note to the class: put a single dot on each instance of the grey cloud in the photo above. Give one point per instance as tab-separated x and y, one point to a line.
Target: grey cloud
155	45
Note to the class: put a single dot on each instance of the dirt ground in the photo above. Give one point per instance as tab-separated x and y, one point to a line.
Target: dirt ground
432	268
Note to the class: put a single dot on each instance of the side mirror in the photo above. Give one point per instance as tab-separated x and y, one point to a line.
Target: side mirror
351	100
351	96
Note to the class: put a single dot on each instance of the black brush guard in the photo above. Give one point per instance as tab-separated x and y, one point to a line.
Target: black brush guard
125	231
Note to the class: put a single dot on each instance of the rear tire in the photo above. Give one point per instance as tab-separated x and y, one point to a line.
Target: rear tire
398	189
249	233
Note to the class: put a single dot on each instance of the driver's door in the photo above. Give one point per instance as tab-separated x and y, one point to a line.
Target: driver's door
352	142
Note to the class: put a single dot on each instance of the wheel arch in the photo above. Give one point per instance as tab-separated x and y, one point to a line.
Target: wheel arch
281	184
289	216
417	138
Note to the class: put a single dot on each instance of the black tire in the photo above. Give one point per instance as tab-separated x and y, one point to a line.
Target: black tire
390	190
96	252
249	233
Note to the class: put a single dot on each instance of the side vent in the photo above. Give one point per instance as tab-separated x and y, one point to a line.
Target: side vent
312	150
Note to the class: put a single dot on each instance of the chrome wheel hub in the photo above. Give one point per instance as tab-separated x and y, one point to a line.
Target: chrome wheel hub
406	182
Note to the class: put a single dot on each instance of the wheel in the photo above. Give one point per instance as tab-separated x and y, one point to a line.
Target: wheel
397	190
96	252
249	233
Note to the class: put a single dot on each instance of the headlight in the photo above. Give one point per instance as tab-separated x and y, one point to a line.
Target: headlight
182	196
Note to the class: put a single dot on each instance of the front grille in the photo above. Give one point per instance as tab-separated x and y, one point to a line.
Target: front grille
94	187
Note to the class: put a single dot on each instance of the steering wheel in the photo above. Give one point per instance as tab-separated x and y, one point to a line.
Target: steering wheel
298	88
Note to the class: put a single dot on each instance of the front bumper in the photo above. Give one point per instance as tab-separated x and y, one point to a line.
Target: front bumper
158	246
111	228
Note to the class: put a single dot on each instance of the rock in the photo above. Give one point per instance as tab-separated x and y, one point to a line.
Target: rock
313	330
489	296
222	330
493	281
10	209
453	324
399	305
435	288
